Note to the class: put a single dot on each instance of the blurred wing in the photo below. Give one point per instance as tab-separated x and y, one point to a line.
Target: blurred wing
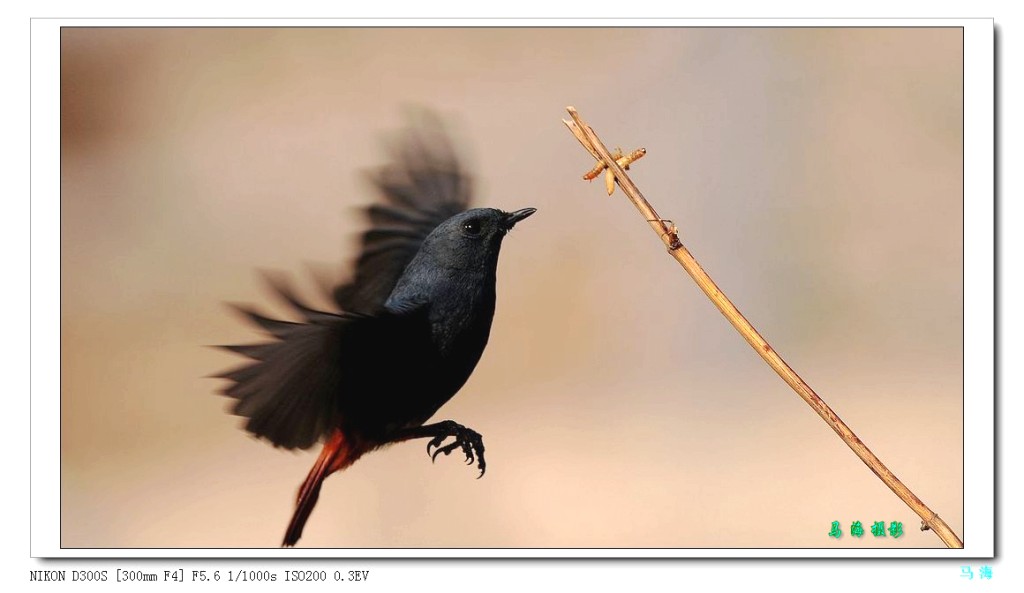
296	387
423	187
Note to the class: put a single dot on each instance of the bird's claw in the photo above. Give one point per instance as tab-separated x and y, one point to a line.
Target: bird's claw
467	439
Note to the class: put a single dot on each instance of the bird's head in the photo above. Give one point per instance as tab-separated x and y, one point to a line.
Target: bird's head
472	239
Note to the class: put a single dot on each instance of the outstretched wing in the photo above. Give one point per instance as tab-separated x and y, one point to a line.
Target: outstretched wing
296	387
422	188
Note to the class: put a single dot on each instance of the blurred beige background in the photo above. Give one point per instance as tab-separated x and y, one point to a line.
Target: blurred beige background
815	173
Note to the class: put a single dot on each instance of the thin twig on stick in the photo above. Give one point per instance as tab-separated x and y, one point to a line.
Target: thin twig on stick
669	235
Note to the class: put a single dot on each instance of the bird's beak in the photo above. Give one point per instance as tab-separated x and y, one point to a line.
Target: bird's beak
513	217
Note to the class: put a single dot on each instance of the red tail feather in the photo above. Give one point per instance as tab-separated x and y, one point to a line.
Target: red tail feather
336	455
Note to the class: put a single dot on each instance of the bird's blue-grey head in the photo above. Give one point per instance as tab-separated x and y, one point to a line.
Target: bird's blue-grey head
472	239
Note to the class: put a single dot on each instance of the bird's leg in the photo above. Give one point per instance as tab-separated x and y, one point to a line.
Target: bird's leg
469	440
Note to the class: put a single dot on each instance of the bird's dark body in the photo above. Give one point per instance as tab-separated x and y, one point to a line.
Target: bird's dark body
409	328
406	373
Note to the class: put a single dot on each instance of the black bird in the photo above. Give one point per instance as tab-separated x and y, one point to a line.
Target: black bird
409	328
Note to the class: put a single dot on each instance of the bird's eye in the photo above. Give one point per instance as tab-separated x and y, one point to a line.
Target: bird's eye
472	227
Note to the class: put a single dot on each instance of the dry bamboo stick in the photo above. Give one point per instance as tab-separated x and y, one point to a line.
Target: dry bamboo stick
669	234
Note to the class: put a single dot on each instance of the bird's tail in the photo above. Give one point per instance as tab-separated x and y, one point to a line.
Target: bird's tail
336	455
